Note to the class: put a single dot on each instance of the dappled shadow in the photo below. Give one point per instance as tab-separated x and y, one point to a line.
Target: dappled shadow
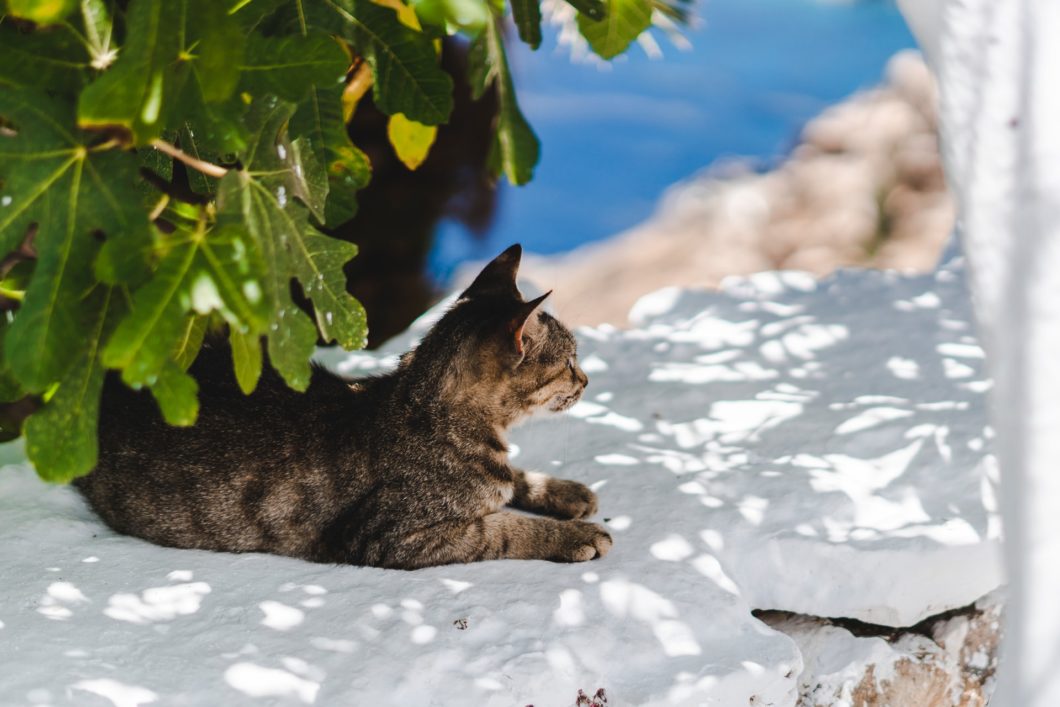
833	434
249	628
782	445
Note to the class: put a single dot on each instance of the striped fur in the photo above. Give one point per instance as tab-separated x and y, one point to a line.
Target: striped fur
404	470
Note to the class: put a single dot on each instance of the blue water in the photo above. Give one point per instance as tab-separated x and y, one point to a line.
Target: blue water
613	140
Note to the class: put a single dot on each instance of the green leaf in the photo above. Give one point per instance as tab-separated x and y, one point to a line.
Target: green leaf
132	95
292	341
259	200
230	265
203	272
200	183
126	261
481	72
55	58
319	118
204	111
126	258
440	16
527	16
289	168
341	207
310	182
158	162
318	262
177	395
49	177
288	66
10	388
593	9
207	130
624	22
407	76
190	341
181	62
43	12
411	140
246	358
216	42
61	437
250	13
144	340
516	149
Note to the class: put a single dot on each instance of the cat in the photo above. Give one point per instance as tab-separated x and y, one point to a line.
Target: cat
405	470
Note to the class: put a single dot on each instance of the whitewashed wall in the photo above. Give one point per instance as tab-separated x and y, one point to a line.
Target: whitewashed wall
997	62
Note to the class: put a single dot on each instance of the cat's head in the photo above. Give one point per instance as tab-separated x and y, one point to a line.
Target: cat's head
506	351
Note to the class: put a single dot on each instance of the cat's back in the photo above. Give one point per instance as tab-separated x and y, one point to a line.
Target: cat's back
250	474
228	421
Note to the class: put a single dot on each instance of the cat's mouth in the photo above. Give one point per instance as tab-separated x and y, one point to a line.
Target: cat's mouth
564	402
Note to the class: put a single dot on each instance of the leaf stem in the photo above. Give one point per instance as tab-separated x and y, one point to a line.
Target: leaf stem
159	207
16	295
113	142
207	168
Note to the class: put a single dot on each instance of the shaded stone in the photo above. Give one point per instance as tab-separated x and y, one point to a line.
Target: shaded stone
944	661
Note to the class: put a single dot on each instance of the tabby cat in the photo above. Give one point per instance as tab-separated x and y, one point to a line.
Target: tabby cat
404	470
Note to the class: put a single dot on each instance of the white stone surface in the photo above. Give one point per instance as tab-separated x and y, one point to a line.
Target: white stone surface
786	444
838	483
1000	124
139	624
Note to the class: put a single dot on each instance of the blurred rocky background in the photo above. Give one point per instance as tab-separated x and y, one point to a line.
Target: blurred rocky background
864	187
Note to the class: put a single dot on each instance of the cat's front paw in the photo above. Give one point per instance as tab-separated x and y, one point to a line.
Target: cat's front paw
568	499
585	541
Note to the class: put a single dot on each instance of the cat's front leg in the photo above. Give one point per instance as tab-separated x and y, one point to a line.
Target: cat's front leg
499	536
560	498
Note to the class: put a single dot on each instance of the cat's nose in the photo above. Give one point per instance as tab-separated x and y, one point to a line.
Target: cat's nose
580	376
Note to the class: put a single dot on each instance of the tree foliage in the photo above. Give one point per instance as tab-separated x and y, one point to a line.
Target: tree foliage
168	166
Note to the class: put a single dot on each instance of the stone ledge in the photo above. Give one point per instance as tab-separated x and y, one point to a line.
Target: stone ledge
944	661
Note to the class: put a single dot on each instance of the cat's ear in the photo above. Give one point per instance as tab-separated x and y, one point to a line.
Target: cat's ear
517	322
498	277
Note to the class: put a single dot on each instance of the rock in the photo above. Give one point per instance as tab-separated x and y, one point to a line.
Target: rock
817	260
917	163
943	662
910	77
865	187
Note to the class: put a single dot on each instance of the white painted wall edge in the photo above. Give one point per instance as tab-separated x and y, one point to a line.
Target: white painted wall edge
1000	124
